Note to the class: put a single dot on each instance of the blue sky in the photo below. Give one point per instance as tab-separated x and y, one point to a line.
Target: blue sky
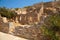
19	3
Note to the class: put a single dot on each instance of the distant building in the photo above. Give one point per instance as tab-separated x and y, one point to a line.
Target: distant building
27	17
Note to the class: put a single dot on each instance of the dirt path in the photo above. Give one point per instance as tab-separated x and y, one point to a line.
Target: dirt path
4	36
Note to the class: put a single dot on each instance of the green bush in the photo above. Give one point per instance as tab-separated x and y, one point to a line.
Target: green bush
52	26
4	12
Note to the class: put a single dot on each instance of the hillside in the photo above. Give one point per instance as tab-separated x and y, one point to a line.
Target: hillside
42	21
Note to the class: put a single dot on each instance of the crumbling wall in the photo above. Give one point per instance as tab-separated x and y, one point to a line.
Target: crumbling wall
31	33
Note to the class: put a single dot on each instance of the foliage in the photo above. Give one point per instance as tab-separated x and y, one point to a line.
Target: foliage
49	33
27	7
4	12
53	22
16	8
52	26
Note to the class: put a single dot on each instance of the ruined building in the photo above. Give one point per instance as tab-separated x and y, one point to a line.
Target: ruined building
25	17
34	13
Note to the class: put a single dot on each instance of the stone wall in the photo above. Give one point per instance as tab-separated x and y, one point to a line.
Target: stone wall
32	32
